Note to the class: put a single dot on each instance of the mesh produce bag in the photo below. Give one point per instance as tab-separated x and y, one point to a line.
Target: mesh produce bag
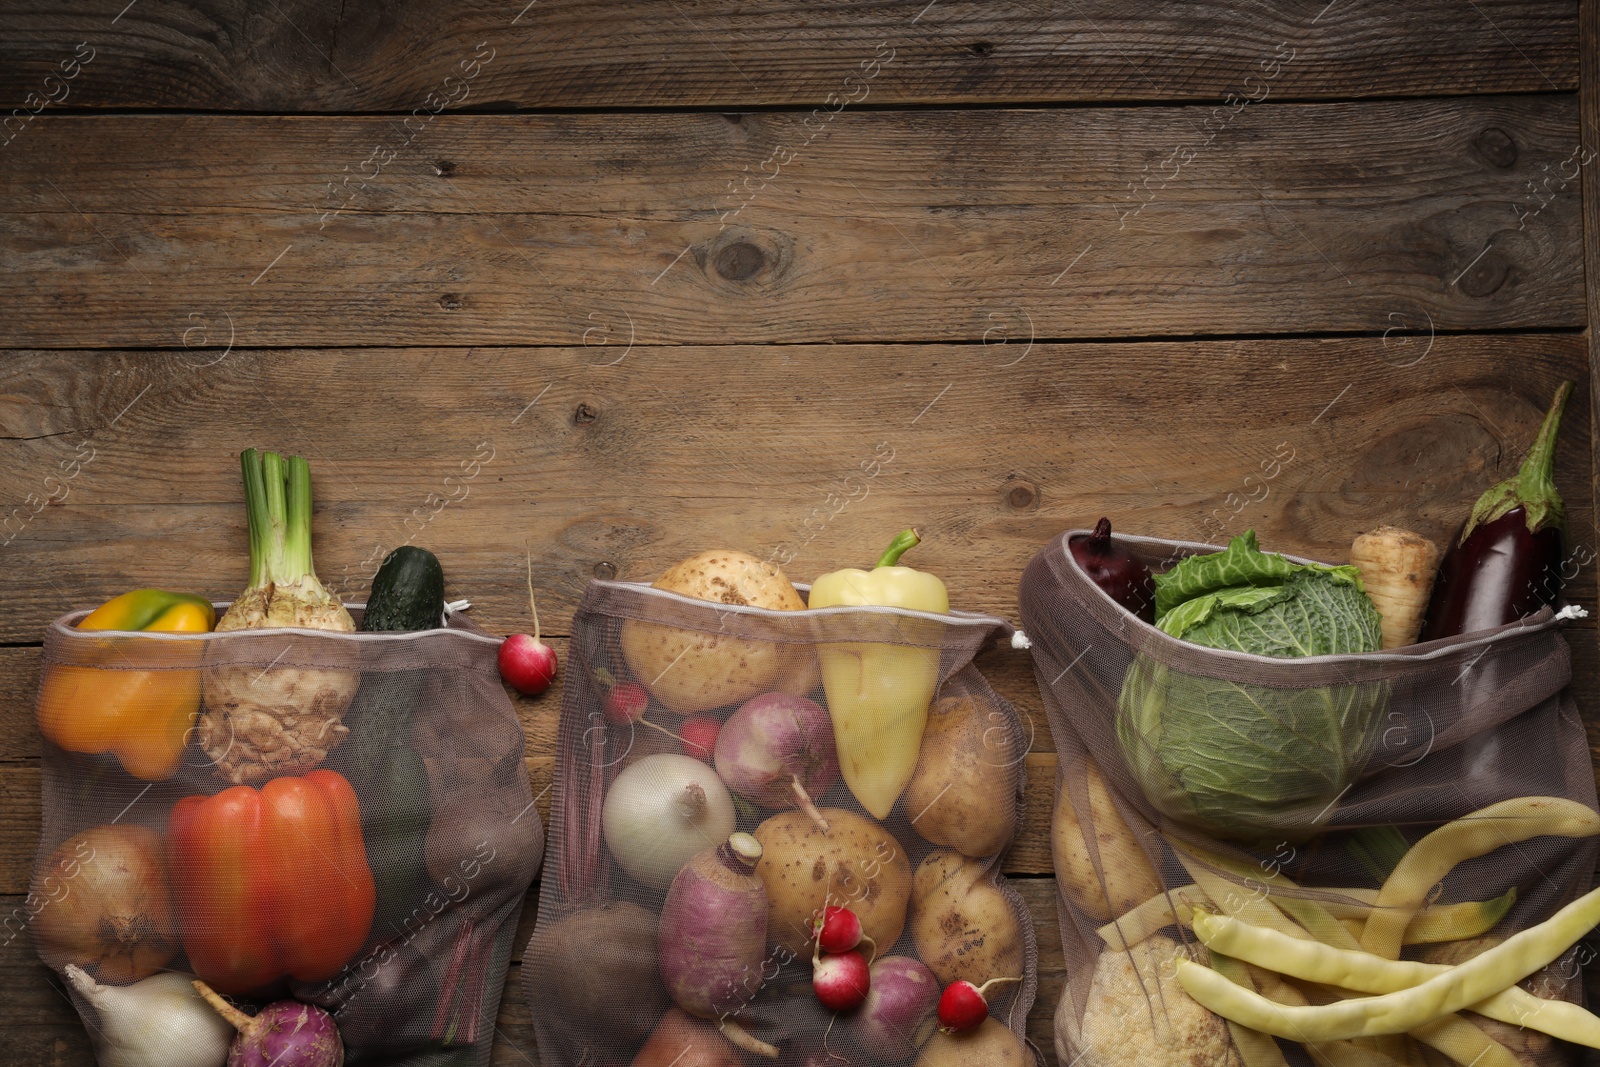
382	882
1326	770
604	967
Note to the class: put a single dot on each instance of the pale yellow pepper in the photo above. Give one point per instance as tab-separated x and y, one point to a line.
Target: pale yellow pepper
878	694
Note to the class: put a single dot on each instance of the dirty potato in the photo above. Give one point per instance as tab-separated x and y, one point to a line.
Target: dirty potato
962	922
1125	878
857	864
690	671
963	793
991	1044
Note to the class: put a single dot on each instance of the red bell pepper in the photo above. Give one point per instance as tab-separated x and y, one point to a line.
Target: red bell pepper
271	882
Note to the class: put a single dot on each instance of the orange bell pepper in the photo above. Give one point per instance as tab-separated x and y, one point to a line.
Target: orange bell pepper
271	882
143	717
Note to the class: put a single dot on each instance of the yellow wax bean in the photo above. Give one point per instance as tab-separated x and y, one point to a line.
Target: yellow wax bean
1160	911
1400	1012
1465	1043
1478	834
1366	973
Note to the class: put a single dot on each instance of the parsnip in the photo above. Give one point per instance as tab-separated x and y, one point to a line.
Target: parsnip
1397	567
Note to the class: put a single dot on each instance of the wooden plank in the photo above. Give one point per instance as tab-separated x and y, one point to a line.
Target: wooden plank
304	56
1585	151
815	453
42	1027
903	226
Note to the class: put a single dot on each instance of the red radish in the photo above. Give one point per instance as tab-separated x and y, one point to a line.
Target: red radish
699	735
962	1006
841	982
626	702
839	930
778	750
526	663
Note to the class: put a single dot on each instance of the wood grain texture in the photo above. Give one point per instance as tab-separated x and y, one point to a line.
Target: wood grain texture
1588	156
43	1028
814	452
303	56
902	226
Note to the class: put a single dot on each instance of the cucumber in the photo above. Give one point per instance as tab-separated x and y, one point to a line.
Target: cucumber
407	593
390	780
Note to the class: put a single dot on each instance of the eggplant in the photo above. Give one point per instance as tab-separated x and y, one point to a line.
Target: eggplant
1506	561
1121	574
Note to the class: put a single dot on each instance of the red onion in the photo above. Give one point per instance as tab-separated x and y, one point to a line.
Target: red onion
286	1033
1122	575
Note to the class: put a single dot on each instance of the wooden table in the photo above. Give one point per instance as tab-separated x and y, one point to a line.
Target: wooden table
672	272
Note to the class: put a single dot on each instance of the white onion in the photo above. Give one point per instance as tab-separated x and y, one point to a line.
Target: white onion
159	1022
660	811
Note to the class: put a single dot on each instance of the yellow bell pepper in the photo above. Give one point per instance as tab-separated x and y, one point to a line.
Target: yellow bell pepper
878	694
143	717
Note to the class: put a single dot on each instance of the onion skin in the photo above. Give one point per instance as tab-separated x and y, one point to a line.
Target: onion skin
713	931
105	905
1118	572
660	812
774	741
682	1041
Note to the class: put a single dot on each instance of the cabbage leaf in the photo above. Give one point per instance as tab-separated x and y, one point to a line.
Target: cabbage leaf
1238	759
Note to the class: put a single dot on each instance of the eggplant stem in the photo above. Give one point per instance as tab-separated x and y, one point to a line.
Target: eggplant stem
803	801
241	1022
739	1037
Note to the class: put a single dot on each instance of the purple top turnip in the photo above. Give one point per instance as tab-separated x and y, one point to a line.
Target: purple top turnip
898	1016
778	751
285	1033
713	931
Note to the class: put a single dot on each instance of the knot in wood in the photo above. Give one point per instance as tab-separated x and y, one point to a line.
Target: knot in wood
444	168
1485	276
450	301
585	413
739	261
1496	145
1022	496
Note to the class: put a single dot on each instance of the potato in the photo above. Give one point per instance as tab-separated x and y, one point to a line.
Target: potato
963	793
595	970
1129	879
690	671
991	1044
858	864
962	922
